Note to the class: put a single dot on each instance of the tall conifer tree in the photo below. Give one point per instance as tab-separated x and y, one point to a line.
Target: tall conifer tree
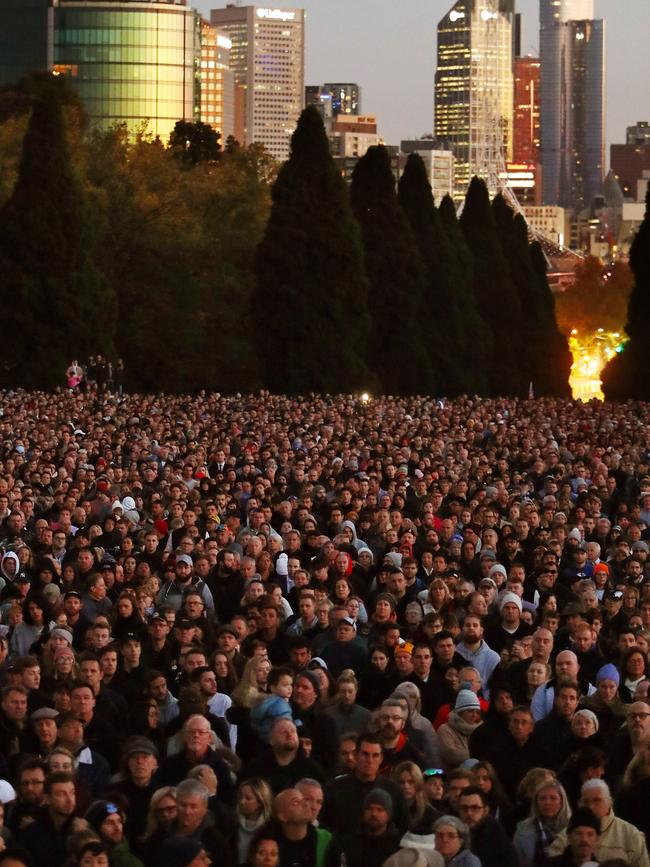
475	334
626	375
309	306
57	304
544	352
439	314
496	296
397	279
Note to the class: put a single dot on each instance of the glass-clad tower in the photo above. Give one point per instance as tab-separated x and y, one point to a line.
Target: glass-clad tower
474	88
132	61
572	96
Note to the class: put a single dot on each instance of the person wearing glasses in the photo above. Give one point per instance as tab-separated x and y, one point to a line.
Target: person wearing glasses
452	842
489	840
630	740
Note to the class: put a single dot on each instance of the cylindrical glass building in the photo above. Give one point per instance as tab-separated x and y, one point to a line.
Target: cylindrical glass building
131	61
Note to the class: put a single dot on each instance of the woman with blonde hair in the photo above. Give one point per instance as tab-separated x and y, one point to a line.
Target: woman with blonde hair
253	811
436	598
422	815
549	816
162	813
251	689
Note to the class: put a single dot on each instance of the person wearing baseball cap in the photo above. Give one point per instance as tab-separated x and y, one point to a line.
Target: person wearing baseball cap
173	591
138	764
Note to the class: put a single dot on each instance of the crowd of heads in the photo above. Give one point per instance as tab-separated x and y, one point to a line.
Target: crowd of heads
269	630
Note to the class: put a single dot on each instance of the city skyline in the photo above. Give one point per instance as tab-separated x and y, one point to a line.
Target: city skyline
393	58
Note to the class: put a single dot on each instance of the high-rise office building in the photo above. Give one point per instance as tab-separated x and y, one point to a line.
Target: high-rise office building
526	133
572	51
334	99
322	102
474	88
629	161
217	82
346	97
639	134
438	162
268	59
351	135
132	63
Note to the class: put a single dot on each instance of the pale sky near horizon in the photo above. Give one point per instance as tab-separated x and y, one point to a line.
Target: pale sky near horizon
388	47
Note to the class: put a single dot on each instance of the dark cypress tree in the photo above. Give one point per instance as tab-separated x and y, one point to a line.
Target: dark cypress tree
626	375
397	279
554	359
544	352
309	306
57	305
439	315
496	296
475	334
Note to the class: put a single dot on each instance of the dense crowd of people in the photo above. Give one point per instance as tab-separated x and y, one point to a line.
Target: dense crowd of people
315	632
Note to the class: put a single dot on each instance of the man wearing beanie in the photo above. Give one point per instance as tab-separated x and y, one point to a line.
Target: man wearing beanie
618	839
378	838
606	702
106	818
510	627
184	852
454	735
582	836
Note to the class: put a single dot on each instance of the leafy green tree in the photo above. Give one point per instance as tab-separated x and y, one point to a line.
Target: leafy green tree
309	307
194	142
58	304
496	296
626	375
598	298
179	246
474	333
397	280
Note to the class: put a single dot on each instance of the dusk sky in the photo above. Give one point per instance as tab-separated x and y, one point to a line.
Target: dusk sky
388	47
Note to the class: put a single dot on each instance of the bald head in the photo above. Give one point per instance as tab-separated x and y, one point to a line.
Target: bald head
290	807
566	665
638	722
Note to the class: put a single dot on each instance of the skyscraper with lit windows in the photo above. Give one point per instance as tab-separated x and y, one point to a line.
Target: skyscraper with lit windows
474	88
572	93
133	63
268	60
217	82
